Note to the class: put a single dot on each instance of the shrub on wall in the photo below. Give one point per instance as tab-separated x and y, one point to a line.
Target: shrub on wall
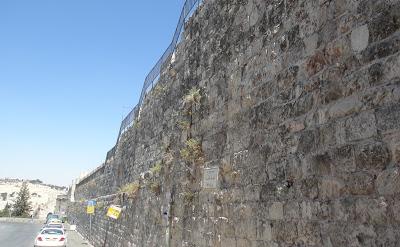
130	189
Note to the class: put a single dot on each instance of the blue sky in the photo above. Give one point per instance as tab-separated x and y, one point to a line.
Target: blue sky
69	71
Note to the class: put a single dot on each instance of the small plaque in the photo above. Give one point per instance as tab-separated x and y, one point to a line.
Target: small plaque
210	178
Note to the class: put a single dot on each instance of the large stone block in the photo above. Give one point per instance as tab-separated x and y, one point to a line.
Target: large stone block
264	230
372	156
244	242
388	182
334	234
228	242
371	211
375	73
361	183
307	141
344	209
276	211
291	210
309	233
391	70
327	134
309	188
360	126
388	118
359	38
385	23
321	164
284	232
316	63
382	49
311	44
361	235
331	188
395	210
344	107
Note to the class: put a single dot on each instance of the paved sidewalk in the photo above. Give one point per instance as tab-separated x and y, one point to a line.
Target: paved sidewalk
76	240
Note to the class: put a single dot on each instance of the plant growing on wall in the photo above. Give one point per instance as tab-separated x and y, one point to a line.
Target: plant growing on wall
184	125
100	205
190	102
228	173
192	151
168	157
158	90
156	169
136	124
188	197
192	98
130	189
155	187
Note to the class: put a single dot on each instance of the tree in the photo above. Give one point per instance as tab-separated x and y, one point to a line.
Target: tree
6	211
22	205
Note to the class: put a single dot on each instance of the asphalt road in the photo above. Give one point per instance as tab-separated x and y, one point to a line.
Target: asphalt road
23	235
18	234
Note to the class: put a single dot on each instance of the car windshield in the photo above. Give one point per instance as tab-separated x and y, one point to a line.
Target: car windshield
54	225
53	221
52	232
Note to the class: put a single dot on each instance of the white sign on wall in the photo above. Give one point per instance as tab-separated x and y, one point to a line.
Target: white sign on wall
210	178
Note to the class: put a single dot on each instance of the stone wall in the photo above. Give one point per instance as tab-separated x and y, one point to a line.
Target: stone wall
296	102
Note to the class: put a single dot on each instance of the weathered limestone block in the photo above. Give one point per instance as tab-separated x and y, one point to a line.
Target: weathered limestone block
284	232
371	211
344	209
361	183
388	118
372	156
388	181
276	211
360	38
381	49
321	164
395	209
331	188
385	23
307	141
309	188
345	107
264	230
360	126
309	233
291	210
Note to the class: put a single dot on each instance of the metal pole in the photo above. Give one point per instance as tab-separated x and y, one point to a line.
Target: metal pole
105	239
90	227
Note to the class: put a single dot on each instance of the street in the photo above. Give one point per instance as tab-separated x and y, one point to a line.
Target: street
18	234
23	235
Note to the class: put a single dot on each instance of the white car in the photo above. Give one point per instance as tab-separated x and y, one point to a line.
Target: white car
57	221
54	237
55	225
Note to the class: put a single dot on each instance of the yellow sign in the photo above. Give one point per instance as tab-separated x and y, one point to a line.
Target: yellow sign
114	212
90	209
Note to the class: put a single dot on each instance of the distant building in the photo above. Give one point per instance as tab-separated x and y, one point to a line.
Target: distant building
61	204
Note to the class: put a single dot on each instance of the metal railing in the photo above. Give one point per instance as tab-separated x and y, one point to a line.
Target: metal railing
188	9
